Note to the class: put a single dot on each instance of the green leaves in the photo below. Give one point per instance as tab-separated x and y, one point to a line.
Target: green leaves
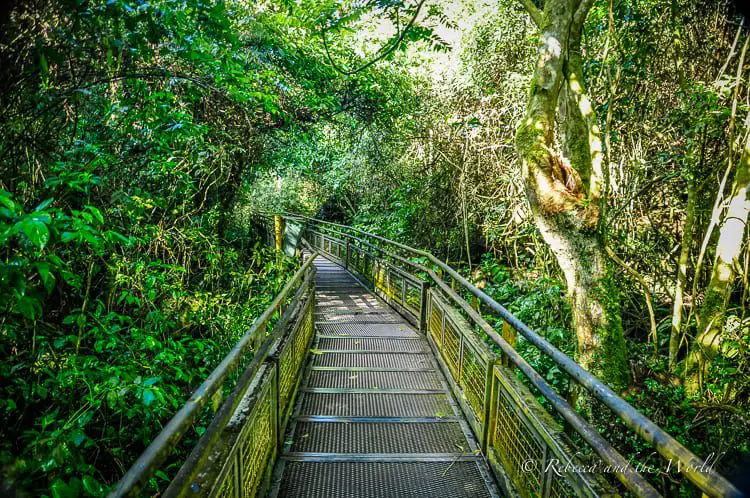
10	208
44	204
35	229
45	273
33	225
29	307
62	489
92	486
151	381
148	397
75	487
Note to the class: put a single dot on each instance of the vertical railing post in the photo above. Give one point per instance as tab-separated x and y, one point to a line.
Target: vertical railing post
277	438
423	316
377	275
259	335
387	281
487	406
546	477
491	421
275	360
442	331
461	347
237	475
278	226
348	248
403	291
509	334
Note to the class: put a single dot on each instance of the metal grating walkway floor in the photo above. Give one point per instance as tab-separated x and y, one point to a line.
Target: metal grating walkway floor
374	417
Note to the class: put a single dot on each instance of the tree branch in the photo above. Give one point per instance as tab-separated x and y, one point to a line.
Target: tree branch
724	407
646	292
536	14
384	51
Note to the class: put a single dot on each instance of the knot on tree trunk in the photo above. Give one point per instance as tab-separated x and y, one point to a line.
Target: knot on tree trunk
565	174
560	193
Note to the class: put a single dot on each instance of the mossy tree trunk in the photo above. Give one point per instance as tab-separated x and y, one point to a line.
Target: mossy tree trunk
723	275
564	181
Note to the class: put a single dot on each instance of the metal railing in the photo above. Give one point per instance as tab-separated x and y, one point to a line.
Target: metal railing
235	455
525	444
401	290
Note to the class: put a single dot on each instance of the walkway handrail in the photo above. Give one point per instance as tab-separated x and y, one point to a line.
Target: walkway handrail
160	448
693	467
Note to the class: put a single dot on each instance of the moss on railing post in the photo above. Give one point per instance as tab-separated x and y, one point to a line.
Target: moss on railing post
278	225
509	334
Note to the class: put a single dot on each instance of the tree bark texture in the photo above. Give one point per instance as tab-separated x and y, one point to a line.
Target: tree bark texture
564	181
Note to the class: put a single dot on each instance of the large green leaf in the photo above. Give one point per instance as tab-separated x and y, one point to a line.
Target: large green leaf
35	229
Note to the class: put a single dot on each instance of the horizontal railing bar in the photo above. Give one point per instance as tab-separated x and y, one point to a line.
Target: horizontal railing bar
383	251
165	442
694	468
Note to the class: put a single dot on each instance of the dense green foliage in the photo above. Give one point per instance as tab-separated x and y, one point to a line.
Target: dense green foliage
138	138
127	129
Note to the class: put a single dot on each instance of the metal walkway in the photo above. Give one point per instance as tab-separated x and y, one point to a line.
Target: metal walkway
374	417
379	408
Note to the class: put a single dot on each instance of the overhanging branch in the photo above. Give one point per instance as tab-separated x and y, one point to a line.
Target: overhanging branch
536	14
384	52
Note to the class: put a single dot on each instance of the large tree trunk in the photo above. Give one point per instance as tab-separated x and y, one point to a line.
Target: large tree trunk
723	275
565	189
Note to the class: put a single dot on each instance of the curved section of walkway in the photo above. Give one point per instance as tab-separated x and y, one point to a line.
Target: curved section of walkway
374	417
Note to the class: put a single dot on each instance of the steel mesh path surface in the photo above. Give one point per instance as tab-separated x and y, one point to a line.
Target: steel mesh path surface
374	417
